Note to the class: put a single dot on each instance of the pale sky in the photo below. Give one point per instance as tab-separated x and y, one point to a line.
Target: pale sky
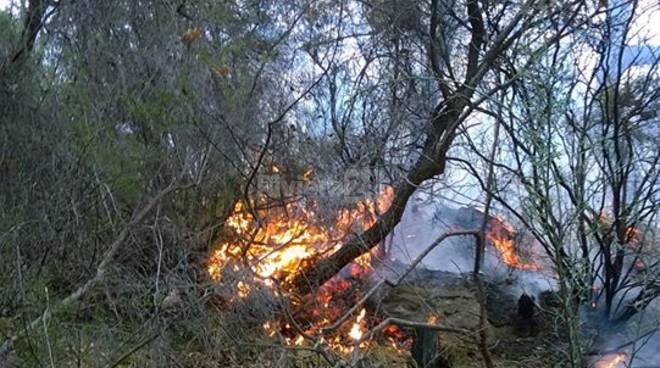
647	23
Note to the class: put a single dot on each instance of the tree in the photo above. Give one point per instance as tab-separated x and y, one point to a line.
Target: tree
464	76
578	170
105	107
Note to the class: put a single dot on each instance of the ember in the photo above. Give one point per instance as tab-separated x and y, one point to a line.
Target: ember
397	338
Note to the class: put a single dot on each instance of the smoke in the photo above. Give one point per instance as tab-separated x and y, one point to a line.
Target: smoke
648	354
424	221
421	224
638	339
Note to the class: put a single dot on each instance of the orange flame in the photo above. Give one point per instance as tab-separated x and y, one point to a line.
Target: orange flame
634	240
616	360
289	236
501	235
277	244
396	338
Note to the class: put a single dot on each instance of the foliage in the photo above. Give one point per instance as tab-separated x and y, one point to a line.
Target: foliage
129	130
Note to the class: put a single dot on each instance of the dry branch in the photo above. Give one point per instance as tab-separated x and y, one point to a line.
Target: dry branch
103	265
440	134
400	279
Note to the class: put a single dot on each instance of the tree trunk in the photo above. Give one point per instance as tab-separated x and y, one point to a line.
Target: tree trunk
425	349
34	20
431	163
440	134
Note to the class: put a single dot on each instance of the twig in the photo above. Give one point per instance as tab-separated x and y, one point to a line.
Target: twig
618	349
412	324
398	281
45	325
102	267
134	349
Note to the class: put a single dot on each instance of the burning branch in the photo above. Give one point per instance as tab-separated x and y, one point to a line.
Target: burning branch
397	321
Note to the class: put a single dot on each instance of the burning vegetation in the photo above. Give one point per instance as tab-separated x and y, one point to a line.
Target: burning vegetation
273	243
502	235
131	133
614	360
268	243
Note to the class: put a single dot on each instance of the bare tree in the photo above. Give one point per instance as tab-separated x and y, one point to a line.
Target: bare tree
460	82
579	171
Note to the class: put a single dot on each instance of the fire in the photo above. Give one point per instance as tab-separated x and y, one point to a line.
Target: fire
273	243
501	235
594	296
616	360
633	234
357	328
308	175
243	289
397	338
290	235
633	238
